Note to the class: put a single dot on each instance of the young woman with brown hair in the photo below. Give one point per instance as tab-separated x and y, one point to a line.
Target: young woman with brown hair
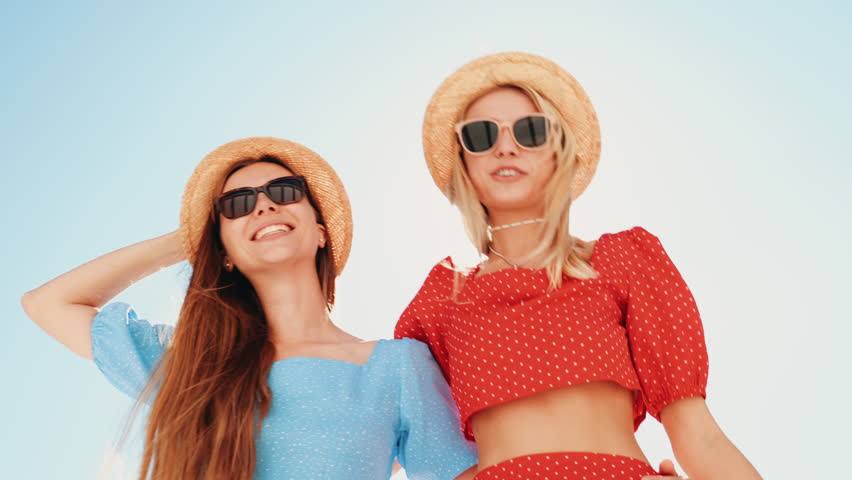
255	380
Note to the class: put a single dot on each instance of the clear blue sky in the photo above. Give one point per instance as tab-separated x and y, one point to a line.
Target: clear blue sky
725	130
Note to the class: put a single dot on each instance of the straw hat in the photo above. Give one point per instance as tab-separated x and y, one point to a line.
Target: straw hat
451	99
325	186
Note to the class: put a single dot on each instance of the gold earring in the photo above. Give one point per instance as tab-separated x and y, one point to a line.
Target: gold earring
227	264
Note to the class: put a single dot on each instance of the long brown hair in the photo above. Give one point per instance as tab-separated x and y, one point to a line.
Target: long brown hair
211	390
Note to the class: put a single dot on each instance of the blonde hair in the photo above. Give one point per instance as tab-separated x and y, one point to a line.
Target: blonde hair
561	253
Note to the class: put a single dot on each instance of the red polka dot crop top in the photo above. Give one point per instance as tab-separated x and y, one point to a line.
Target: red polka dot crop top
505	335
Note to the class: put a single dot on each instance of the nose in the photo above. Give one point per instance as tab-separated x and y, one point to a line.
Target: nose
264	205
505	145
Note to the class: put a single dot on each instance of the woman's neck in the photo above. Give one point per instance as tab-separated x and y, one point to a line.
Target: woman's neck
295	306
517	242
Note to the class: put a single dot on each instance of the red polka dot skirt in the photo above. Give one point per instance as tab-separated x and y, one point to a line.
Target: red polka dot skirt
504	335
564	466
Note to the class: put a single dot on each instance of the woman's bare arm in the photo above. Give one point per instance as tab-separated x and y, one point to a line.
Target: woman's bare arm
65	306
699	444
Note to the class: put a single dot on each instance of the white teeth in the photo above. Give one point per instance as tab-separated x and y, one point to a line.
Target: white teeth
507	172
270	230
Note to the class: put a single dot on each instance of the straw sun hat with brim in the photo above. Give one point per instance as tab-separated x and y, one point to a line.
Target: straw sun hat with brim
459	90
324	184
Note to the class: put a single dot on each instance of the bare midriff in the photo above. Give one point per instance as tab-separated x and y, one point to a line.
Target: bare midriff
592	417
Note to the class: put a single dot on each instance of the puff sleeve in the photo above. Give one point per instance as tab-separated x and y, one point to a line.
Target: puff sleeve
425	315
125	348
663	325
430	443
409	326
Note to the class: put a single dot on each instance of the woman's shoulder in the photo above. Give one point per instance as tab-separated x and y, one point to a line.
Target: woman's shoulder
400	362
444	269
633	240
406	356
623	250
405	349
635	234
439	282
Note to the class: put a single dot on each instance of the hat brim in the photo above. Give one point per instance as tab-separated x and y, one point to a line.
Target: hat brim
455	94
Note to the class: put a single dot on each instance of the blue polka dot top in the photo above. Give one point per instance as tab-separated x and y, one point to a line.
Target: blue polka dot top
329	419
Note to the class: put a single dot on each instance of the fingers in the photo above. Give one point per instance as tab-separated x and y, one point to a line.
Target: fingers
667	472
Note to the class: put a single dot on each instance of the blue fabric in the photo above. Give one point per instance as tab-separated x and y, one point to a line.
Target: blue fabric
329	419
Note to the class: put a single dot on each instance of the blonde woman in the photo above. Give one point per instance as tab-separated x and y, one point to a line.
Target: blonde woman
555	348
256	381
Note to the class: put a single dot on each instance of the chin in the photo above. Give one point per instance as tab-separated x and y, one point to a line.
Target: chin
277	256
515	201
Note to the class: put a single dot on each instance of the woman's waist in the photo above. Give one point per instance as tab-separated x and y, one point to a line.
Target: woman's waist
592	417
530	395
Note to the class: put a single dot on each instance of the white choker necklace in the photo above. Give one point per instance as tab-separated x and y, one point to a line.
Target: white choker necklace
516	224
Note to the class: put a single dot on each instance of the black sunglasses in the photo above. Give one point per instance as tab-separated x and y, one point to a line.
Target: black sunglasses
241	201
480	136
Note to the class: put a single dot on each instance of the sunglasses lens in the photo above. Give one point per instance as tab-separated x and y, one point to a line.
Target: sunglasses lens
531	131
237	204
479	136
242	202
283	192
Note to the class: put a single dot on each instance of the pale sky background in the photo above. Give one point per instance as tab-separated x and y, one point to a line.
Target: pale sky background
725	132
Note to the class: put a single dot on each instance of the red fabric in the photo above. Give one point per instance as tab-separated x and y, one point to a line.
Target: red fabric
505	336
563	466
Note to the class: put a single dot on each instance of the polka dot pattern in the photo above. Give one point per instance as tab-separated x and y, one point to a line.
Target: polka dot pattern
563	466
504	335
329	419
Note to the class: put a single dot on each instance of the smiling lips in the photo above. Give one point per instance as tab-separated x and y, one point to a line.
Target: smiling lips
507	174
272	230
